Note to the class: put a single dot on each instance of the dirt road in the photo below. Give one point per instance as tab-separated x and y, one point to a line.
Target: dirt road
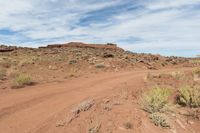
26	110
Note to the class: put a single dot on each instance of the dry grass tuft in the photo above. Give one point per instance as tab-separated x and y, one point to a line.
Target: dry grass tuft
196	71
100	66
159	120
178	75
155	100
189	96
95	129
2	74
21	80
128	125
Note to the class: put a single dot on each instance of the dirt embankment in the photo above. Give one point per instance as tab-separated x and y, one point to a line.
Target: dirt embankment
75	59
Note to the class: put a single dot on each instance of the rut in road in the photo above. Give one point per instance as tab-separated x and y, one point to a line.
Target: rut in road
42	106
30	108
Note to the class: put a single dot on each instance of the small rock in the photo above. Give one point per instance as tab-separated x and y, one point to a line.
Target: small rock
106	100
52	67
190	122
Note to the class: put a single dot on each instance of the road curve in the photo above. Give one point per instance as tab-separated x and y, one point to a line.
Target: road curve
24	110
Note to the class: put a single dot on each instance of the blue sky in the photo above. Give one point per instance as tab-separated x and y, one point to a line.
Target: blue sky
167	27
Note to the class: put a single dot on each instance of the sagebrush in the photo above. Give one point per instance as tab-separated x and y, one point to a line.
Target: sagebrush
2	74
189	96
22	80
159	120
155	100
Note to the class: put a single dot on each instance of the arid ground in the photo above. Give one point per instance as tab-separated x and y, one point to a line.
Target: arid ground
88	88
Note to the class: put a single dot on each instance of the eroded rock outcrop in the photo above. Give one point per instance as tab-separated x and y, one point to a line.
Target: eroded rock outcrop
109	46
4	48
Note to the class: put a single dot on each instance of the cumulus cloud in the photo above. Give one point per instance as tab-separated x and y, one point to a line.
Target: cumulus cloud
137	25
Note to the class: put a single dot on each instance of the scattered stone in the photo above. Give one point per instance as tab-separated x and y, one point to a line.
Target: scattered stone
83	106
108	55
190	122
106	100
52	67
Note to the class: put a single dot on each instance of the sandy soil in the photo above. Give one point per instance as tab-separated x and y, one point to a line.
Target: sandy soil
37	108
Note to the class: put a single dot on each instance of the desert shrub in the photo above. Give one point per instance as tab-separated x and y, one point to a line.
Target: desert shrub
25	62
195	61
71	62
178	75
12	73
21	80
5	63
100	66
155	100
2	74
174	75
159	120
128	125
35	58
189	96
95	129
196	71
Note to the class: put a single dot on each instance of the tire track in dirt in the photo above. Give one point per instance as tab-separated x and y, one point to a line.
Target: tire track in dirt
31	114
11	109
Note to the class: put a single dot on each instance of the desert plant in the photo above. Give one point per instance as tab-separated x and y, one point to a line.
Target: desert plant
100	66
178	75
189	96
6	63
71	62
2	74
159	120
25	62
155	100
195	61
196	71
21	80
128	125
95	129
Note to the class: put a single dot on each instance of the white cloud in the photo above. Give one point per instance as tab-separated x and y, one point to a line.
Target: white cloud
158	24
162	4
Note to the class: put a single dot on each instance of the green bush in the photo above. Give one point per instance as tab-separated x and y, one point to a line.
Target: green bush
155	100
2	74
22	80
189	96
